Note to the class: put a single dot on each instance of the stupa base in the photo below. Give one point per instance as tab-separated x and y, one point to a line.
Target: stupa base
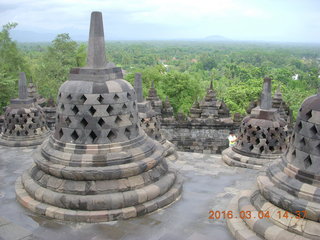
232	158
145	207
170	150
28	142
256	218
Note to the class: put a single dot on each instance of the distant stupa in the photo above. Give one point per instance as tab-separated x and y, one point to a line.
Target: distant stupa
24	121
262	136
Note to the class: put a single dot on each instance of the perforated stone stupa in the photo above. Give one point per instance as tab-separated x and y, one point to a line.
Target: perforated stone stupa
99	165
153	98
289	190
24	122
262	136
283	108
50	112
33	93
150	120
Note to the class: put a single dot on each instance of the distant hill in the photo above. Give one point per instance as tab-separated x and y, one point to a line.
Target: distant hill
216	38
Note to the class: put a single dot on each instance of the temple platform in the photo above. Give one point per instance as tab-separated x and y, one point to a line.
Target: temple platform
209	184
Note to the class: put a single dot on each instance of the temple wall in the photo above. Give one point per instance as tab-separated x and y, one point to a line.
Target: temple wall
191	137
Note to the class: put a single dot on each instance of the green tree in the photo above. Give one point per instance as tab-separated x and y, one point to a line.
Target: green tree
11	63
56	63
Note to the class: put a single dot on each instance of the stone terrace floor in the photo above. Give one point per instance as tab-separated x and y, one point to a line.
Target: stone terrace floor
209	184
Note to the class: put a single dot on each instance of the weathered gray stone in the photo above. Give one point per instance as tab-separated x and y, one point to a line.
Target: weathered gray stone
94	164
288	190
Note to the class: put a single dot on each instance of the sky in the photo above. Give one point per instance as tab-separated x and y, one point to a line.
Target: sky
253	20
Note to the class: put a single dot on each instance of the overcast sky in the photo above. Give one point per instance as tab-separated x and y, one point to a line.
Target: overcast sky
266	20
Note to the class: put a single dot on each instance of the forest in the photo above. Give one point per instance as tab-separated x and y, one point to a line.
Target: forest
181	70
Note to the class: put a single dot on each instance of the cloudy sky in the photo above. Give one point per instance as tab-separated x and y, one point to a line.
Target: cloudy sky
266	20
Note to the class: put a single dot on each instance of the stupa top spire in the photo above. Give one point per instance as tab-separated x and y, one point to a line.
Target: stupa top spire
23	94
266	97
211	84
96	47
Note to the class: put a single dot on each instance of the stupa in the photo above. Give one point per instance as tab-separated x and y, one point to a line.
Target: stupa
167	110
33	93
283	108
262	136
150	120
50	112
99	165
210	108
286	202
153	98
24	122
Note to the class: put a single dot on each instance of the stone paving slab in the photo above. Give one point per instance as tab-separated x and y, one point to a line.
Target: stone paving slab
10	231
209	184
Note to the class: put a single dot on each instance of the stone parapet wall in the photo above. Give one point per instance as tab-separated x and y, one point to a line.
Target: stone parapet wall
199	137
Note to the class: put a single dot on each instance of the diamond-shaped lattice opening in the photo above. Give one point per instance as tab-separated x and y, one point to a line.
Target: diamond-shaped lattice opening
134	105
263	135
74	135
83	98
35	131
248	138
59	95
129	96
271	148
117	120
100	99
276	129
25	120
294	153
313	129
75	109
83	123
18	133
257	141
127	133
261	149
92	110
34	121
26	133
69	97
303	141
62	107
300	109
267	142
131	118
111	135
249	126
116	97
307	162
251	147
299	126
254	133
258	128
93	136
309	114
101	122
124	107
109	109
30	126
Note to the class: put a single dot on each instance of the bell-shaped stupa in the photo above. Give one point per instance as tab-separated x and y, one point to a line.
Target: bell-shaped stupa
262	136
153	98
99	165
150	120
286	202
24	121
